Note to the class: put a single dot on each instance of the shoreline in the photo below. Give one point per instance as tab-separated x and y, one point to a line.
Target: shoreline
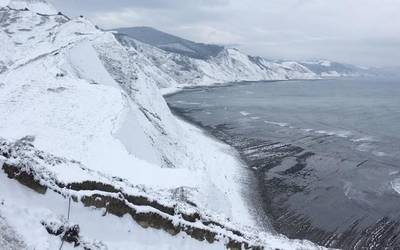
250	191
254	202
166	92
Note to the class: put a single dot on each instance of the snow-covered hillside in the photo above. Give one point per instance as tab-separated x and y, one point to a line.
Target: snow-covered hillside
328	69
187	63
229	65
91	156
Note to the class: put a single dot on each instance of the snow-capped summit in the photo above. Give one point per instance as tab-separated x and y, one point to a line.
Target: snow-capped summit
38	6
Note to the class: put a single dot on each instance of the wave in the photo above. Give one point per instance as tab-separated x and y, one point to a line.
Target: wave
280	124
364	147
379	153
341	133
338	133
364	139
363	144
188	103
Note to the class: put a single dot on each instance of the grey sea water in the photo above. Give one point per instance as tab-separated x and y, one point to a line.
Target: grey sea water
326	153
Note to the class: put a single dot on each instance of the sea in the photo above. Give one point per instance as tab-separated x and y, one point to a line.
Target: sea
325	153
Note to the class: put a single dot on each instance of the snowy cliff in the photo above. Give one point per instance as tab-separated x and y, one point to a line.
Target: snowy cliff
228	65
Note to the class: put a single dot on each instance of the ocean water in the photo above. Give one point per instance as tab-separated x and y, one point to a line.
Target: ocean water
326	152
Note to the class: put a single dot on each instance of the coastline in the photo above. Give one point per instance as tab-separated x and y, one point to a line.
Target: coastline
250	191
247	194
259	201
170	91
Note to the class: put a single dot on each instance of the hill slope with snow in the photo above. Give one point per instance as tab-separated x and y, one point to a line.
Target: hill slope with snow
325	68
188	63
229	65
92	158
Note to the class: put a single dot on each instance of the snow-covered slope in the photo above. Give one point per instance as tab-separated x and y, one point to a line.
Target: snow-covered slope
82	121
229	65
189	63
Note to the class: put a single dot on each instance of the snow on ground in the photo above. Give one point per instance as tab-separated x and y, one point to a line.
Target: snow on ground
23	214
225	171
23	211
90	110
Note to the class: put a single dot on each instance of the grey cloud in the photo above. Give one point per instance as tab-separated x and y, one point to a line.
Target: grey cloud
356	31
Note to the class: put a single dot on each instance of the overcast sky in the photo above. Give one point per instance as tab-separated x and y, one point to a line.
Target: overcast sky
364	32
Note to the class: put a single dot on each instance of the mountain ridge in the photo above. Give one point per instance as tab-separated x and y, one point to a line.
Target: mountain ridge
321	68
229	65
171	43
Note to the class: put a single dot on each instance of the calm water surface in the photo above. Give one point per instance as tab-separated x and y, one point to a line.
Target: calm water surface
326	153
